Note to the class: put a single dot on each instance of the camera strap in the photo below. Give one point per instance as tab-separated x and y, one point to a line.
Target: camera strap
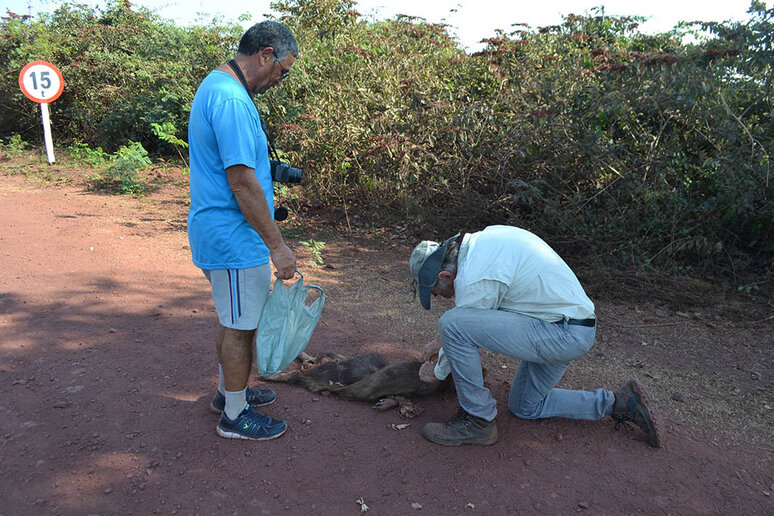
238	71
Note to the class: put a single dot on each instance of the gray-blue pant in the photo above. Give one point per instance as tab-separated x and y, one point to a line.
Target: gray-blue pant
544	349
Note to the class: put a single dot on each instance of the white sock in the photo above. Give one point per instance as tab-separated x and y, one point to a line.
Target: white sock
235	403
222	384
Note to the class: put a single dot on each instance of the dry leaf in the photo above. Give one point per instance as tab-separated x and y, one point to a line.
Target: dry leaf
470	506
400	427
416	505
363	506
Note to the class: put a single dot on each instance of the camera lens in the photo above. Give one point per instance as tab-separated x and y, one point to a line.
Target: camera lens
294	175
280	213
284	173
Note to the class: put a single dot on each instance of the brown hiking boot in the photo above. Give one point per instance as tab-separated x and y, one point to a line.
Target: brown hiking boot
462	429
632	404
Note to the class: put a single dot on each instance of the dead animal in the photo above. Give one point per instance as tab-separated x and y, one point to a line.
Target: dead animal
366	377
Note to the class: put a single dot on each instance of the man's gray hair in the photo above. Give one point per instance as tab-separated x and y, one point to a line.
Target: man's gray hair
272	34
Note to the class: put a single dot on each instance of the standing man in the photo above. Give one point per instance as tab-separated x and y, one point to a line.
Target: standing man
231	226
516	296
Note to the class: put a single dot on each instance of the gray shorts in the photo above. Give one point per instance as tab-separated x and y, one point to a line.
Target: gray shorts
239	295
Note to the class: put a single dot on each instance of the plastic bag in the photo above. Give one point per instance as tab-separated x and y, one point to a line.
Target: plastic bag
286	325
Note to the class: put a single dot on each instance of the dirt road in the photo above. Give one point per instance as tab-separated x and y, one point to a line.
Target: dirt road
107	367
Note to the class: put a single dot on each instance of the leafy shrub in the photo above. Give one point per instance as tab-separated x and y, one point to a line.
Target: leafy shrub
129	160
625	147
166	132
14	147
124	68
315	248
123	169
82	153
633	149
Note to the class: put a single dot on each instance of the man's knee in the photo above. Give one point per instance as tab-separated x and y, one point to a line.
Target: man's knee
525	410
239	337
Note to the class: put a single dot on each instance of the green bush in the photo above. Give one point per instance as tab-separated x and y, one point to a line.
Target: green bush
121	168
129	160
630	148
166	132
14	147
123	66
618	146
82	153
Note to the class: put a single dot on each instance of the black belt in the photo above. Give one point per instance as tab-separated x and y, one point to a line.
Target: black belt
579	322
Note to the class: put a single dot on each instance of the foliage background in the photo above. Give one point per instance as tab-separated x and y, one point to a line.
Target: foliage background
124	69
630	149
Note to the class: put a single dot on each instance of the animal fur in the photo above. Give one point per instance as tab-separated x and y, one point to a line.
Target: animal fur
362	377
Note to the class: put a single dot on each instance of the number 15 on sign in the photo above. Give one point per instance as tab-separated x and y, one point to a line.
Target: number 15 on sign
42	82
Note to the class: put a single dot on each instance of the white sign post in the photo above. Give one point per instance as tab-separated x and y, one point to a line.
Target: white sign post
42	82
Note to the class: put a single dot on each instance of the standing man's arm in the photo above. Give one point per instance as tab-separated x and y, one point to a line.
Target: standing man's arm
252	203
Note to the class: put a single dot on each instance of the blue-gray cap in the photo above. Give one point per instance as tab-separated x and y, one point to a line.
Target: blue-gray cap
425	264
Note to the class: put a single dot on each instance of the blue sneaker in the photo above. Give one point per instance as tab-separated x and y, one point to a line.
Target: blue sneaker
255	397
251	425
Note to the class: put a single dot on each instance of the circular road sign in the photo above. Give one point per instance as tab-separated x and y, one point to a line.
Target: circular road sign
41	82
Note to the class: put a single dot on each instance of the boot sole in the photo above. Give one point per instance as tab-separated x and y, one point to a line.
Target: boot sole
655	417
488	442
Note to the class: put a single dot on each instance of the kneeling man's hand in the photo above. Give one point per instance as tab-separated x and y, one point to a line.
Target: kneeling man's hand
427	373
430	351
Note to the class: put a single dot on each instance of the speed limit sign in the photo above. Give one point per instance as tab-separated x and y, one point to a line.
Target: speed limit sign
41	81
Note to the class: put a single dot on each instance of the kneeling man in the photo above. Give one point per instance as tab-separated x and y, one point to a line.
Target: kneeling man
516	296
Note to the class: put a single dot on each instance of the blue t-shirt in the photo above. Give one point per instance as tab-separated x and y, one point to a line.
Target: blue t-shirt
224	130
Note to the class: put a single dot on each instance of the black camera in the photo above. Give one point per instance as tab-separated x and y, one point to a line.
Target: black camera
284	173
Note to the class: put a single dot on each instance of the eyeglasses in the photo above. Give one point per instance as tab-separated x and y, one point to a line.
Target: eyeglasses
283	73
